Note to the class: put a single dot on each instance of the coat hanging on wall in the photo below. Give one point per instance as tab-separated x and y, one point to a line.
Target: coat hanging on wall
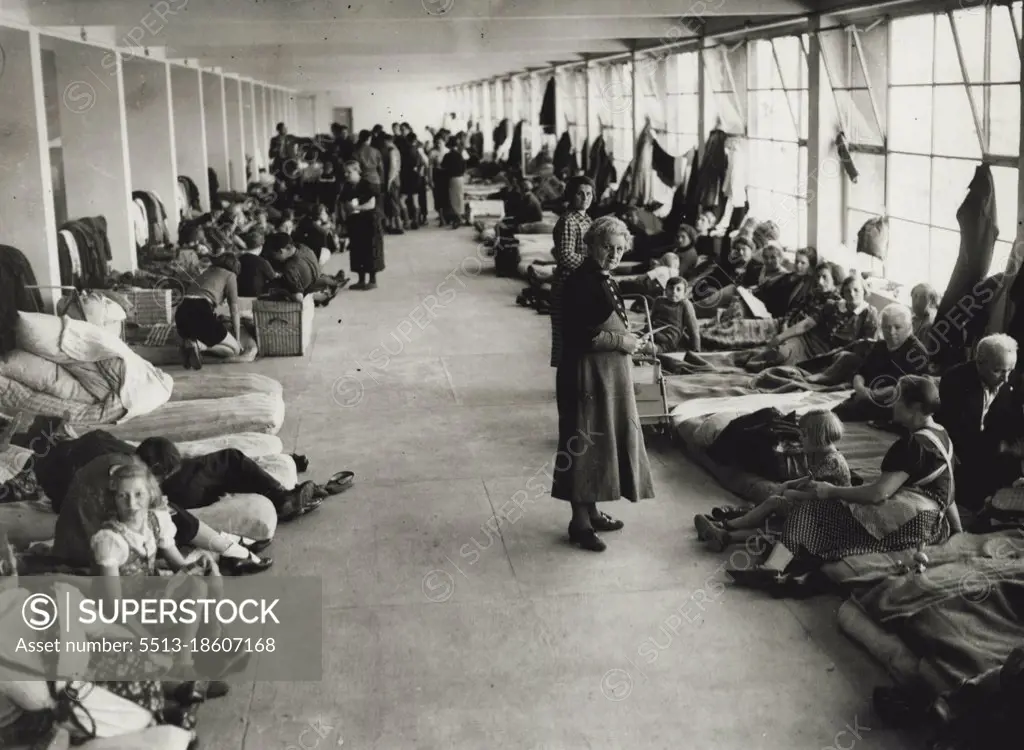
547	109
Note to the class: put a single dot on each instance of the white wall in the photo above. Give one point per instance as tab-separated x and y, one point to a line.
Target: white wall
372	105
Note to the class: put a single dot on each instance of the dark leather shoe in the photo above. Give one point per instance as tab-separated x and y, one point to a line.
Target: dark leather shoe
757	577
298	502
586	539
603	522
235	566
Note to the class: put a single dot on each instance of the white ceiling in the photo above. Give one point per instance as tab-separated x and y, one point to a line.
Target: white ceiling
319	45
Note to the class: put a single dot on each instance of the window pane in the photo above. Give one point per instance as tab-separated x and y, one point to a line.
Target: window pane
909	193
954	132
801	173
859	117
1004	120
868	193
970	25
908	252
944	250
911	50
1005	57
1005	180
950	178
1001	256
910	120
874	44
791	61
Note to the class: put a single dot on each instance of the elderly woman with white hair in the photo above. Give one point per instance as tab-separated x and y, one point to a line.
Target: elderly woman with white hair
899	353
601	455
983	410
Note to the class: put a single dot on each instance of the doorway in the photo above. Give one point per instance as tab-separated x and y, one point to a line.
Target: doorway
343	116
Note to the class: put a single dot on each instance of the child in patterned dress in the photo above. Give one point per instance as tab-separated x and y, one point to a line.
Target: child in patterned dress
821	431
139	533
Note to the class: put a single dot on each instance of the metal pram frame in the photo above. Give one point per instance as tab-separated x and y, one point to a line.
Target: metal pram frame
649	382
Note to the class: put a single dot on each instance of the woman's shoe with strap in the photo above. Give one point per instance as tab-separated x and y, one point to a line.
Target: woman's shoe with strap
603	522
586	539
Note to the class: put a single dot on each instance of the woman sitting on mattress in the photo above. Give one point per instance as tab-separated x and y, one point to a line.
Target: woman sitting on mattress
910	505
809	329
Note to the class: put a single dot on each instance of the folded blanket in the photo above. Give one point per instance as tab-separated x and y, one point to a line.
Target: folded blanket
742	333
78	368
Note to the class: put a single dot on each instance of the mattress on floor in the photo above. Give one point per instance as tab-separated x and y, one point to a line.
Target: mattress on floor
699	422
207	417
902	665
955	623
863	570
481	208
480	190
251	515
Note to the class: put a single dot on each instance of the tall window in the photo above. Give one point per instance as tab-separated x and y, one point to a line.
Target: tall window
683	103
953	101
577	78
616	113
777	106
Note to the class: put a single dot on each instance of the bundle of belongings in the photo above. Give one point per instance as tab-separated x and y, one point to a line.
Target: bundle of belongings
83	252
149	221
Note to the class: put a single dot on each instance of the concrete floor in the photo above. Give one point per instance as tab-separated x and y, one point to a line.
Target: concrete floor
447	629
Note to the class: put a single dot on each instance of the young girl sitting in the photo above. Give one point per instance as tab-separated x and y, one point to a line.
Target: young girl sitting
140	532
820	430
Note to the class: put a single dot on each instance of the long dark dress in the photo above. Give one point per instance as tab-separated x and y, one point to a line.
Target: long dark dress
914	515
601	455
366	240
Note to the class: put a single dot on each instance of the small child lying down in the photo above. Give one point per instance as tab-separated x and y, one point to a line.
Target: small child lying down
674	319
821	431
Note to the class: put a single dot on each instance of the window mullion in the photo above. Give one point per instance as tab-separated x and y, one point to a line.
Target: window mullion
967	81
1016	29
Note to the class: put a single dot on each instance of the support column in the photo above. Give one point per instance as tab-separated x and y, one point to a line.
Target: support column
637	99
217	153
824	182
151	141
252	130
589	109
236	132
27	219
702	96
487	124
262	137
94	137
535	99
190	129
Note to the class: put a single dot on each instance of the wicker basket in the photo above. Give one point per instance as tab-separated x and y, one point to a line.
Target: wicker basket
151	307
283	329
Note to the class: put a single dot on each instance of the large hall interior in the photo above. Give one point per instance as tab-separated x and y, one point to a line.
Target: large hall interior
563	375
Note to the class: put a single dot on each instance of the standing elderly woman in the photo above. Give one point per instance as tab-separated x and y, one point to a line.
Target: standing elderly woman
570	250
911	504
599	438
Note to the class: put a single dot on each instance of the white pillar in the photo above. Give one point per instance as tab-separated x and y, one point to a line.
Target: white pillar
95	143
487	124
254	145
536	95
824	181
27	219
216	128
190	129
151	143
637	99
702	96
236	132
591	109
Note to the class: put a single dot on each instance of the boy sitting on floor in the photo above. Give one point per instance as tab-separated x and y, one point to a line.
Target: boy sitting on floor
299	270
255	273
674	314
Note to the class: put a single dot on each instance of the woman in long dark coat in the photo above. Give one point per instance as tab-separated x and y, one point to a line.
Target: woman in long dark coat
601	455
358	203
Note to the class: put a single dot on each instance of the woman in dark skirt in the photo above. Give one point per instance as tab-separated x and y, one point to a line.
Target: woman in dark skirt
358	204
439	180
910	504
601	455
